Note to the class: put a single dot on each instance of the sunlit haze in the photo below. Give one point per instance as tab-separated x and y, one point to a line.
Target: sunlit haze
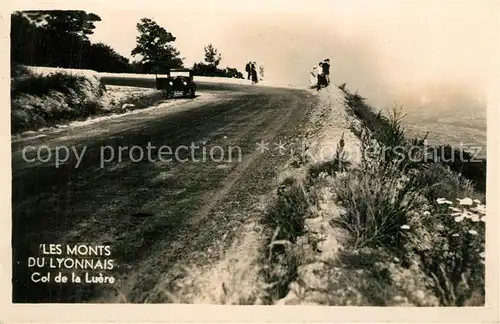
403	49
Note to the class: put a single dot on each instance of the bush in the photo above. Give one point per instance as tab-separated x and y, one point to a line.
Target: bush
40	85
377	205
210	70
19	71
39	100
287	217
288	213
453	253
439	181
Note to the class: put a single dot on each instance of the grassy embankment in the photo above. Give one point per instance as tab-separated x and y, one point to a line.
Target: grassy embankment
39	101
409	221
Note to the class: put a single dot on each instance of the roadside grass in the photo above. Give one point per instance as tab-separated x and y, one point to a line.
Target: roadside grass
39	101
286	216
27	82
295	201
339	163
415	221
423	212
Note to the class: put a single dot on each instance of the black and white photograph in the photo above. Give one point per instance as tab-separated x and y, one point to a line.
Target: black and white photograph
319	153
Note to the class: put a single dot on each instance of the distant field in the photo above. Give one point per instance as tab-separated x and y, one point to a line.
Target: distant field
457	123
454	129
451	115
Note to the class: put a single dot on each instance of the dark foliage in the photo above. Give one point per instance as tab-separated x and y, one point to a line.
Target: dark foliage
203	69
154	44
210	66
58	38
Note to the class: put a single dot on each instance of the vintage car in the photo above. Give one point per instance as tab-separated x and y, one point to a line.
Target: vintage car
177	81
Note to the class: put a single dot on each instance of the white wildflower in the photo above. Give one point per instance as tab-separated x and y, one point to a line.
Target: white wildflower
479	209
405	227
458	219
472	232
481	255
455	235
443	201
396	259
426	213
477	201
468	214
465	201
475	218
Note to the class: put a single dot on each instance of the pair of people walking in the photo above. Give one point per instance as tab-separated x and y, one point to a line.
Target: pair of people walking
320	75
251	69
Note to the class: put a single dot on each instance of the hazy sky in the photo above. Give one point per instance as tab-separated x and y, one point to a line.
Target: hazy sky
378	46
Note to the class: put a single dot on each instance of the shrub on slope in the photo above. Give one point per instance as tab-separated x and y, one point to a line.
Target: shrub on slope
42	100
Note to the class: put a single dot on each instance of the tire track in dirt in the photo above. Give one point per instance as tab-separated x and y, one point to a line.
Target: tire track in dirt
219	223
269	132
188	241
190	221
90	190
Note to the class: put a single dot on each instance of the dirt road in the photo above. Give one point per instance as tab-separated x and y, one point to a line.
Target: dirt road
154	214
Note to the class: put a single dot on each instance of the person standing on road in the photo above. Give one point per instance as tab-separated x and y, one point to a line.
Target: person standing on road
313	79
321	77
248	69
326	71
255	78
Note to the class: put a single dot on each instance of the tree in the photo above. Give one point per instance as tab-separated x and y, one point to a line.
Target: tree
63	22
210	66
52	37
212	57
154	45
59	38
212	60
135	67
106	59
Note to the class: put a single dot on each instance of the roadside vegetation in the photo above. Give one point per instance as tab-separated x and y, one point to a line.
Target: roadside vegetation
60	38
40	101
210	66
404	226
